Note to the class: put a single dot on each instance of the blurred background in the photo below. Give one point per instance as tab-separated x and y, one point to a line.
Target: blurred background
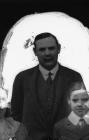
12	10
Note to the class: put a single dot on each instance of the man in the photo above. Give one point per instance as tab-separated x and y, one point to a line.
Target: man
38	97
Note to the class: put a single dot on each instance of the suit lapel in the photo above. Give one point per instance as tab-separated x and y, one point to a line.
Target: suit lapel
58	91
33	88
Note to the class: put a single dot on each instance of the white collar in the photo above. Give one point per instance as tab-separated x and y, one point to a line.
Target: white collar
75	119
45	71
86	117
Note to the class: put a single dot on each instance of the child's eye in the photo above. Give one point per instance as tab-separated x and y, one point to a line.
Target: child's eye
75	100
85	100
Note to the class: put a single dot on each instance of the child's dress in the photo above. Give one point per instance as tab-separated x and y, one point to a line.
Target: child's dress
10	128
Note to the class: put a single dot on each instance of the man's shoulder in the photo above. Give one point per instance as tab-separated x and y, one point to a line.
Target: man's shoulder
27	72
69	74
30	70
68	71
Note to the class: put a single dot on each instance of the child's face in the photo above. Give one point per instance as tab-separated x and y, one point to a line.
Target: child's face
78	102
3	98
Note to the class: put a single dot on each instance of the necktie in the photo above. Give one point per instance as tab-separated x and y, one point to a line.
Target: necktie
82	123
49	94
49	79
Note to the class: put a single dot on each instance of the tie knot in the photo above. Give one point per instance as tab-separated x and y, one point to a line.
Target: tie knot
81	119
81	122
50	74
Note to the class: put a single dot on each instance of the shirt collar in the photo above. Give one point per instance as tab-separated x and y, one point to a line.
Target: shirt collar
45	71
75	119
86	118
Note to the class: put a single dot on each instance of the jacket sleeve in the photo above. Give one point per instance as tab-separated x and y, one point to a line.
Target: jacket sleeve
17	99
56	134
21	133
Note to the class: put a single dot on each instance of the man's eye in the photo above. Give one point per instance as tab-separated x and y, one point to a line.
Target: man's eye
52	48
42	49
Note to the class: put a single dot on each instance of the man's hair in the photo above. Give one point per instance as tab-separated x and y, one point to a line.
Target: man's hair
44	35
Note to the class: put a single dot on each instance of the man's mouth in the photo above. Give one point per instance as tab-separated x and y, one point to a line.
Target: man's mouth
48	59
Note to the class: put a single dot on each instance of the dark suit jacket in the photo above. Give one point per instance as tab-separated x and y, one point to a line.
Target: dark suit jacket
65	130
25	105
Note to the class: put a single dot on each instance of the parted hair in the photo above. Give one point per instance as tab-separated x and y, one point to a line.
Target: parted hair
75	86
45	35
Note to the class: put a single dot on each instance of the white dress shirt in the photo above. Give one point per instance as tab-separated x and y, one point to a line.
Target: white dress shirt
74	119
45	72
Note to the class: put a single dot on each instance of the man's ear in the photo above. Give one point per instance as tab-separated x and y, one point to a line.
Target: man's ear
59	48
34	49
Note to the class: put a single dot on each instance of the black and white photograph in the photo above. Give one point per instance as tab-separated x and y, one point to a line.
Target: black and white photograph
44	70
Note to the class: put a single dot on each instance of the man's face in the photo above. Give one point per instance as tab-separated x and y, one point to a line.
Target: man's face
47	52
79	102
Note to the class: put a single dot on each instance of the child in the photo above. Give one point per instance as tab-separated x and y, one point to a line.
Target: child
76	125
9	128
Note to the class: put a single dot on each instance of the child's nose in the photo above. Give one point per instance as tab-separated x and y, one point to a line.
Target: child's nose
80	102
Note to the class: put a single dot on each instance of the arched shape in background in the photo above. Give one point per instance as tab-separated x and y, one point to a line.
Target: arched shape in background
71	33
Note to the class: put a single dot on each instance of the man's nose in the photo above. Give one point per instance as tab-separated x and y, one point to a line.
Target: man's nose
47	51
